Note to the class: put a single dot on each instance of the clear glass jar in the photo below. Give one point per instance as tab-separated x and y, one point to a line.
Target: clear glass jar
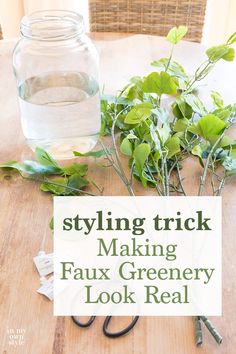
56	68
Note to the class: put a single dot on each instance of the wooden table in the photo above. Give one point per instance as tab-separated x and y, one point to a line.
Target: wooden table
25	213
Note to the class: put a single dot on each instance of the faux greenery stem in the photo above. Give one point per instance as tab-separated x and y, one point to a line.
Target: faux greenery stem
198	331
179	177
119	173
170	57
121	170
156	185
205	170
221	186
167	182
209	325
216	335
198	76
163	177
58	185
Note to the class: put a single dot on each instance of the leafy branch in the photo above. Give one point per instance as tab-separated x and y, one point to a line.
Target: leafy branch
157	140
70	180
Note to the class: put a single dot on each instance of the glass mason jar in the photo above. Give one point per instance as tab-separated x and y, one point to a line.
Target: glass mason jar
56	68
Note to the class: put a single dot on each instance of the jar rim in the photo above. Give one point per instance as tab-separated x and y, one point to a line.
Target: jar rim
52	25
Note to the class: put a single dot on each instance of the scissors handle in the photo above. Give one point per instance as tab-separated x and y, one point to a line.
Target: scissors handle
124	331
83	324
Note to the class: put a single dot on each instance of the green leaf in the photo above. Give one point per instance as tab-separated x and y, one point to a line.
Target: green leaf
126	147
231	173
174	69
111	99
176	34
210	125
160	83
161	113
55	189
61	184
51	224
217	99
223	114
195	103
44	165
163	132
181	125
227	141
229	163
31	167
132	136
134	92
76	181
97	154
232	39
155	137
229	56
79	168
45	159
197	151
141	154
13	165
182	109
220	52
173	146
139	113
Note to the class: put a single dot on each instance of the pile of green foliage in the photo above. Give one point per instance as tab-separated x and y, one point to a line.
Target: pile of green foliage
157	139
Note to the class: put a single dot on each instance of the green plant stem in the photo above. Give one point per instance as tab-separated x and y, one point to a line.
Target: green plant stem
209	325
170	57
119	168
198	331
127	182
112	163
221	186
212	178
41	180
156	185
198	76
179	177
163	177
205	170
167	182
214	332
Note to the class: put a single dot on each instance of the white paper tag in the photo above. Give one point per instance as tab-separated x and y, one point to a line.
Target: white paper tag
44	263
47	288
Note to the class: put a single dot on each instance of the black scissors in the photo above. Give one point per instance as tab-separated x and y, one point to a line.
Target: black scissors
105	329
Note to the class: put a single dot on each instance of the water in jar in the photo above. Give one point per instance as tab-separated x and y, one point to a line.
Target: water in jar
60	112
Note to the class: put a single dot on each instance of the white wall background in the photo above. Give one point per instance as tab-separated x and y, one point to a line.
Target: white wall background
80	6
220	17
11	11
220	21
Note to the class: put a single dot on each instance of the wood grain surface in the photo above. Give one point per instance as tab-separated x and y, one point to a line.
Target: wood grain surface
25	213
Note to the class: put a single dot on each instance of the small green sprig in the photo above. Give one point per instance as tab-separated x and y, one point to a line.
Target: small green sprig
53	178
